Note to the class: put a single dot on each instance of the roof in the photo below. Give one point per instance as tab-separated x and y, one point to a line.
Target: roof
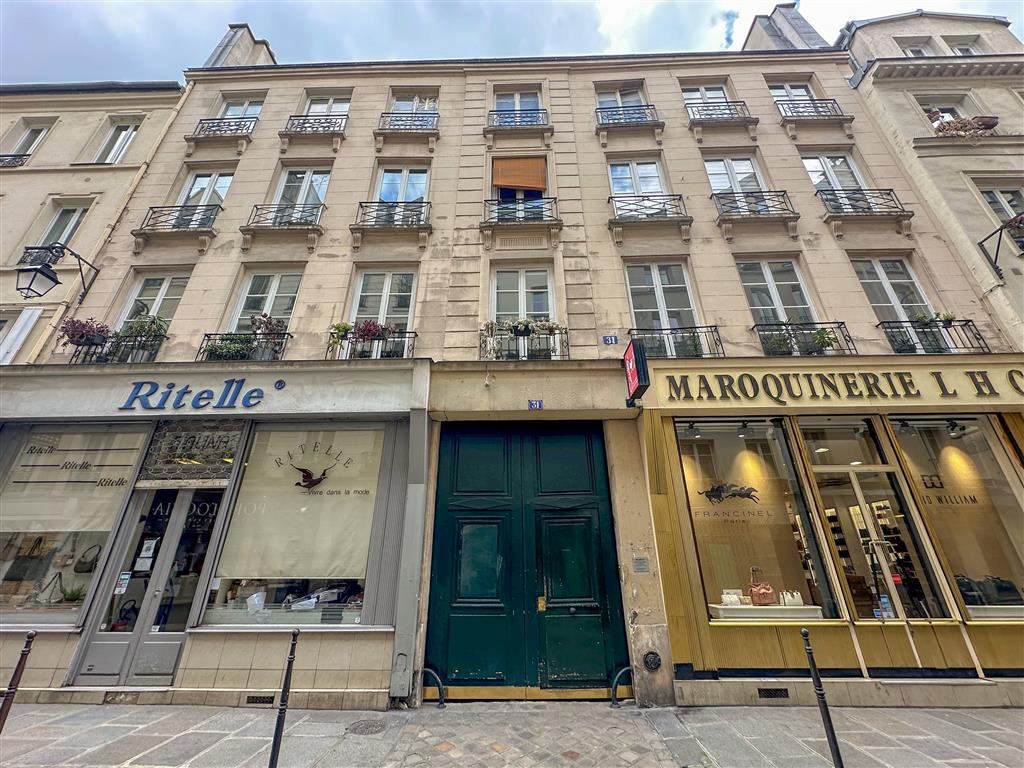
104	86
848	31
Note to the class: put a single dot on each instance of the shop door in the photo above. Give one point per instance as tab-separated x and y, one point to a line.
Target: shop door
142	620
524	590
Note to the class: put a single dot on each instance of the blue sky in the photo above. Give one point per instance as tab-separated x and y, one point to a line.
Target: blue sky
57	41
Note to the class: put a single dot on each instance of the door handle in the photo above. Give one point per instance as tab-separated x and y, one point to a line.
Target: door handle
572	610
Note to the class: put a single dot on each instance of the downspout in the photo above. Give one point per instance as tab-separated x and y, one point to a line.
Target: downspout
64	306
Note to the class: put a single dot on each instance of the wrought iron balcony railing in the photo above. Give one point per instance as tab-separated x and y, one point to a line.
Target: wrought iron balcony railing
715	111
933	337
694	341
809	108
36	255
543	209
316	124
225	126
784	339
505	345
285	215
517	118
120	349
640	207
1015	229
242	346
13	161
754	203
857	201
408	121
639	114
395	345
170	218
381	214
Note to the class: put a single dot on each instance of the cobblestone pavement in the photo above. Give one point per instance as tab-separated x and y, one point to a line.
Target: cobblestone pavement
524	734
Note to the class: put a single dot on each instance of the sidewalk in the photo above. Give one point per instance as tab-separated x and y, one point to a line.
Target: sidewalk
525	734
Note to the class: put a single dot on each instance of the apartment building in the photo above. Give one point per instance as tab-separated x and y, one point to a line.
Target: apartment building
364	379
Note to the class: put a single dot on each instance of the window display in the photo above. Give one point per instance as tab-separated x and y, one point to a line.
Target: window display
973	507
759	555
299	536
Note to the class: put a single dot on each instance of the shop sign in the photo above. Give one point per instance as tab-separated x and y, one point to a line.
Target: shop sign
144	394
637	377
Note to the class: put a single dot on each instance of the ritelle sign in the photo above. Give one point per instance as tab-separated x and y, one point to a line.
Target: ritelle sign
150	396
637	377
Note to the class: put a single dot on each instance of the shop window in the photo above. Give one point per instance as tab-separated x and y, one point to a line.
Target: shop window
867	515
50	552
299	536
973	507
758	551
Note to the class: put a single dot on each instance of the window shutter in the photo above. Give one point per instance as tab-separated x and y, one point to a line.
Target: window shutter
520	172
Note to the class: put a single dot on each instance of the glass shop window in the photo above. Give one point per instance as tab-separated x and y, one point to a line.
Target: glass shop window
974	507
759	556
299	535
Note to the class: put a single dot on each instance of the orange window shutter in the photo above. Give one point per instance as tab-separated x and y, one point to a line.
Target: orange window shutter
520	173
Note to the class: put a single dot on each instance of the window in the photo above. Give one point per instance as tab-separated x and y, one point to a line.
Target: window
963	50
242	108
384	298
64	225
516	100
892	290
15	328
1005	203
203	189
324	106
733	174
939	113
705	94
29	141
522	293
774	292
837	172
117	143
974	507
622	97
302	193
659	296
273	294
414	102
517	108
405	191
519	184
157	296
636	178
791	92
915	51
623	105
758	551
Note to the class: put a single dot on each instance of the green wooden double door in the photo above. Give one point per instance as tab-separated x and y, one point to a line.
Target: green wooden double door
524	588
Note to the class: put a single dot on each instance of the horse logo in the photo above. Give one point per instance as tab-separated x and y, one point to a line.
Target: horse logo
719	492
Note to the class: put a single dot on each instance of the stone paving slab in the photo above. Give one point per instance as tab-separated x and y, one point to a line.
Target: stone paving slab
509	735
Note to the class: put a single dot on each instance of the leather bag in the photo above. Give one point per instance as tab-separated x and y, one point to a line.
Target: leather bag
87	563
761	592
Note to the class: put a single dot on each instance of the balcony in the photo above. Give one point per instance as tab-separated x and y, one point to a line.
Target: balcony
394	218
787	339
754	206
1014	230
219	129
846	205
395	345
287	219
120	349
518	122
407	125
219	347
648	211
692	342
312	128
723	114
643	116
504	344
796	112
13	161
934	337
36	255
177	220
541	213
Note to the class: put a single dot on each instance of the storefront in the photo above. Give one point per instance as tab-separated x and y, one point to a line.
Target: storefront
168	528
879	505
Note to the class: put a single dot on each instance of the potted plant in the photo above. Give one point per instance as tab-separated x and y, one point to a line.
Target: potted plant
83	333
689	345
922	319
371	330
817	341
521	327
488	345
902	344
73	594
268	336
779	344
547	326
946	318
232	346
138	340
336	334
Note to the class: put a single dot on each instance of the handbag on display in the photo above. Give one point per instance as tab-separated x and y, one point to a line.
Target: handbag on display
126	617
792	598
761	592
87	563
732	596
970	589
1000	591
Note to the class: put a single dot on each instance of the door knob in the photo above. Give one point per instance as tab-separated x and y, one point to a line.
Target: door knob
572	610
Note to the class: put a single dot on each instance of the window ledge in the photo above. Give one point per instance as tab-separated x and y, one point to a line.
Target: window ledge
726	221
287	137
21	629
545	131
617	224
204	235
430	134
790	123
282	628
655	126
313	233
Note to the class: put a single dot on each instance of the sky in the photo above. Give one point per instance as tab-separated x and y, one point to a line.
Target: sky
73	41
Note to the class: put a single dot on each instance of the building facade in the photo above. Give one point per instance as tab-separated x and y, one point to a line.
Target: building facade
362	376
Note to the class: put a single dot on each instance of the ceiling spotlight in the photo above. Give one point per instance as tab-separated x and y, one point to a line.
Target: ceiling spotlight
691	431
856	463
955	428
903	428
742	431
823	449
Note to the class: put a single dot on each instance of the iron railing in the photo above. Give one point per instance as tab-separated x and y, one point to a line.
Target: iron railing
647	206
784	339
166	218
718	110
858	201
520	211
505	345
316	124
13	161
408	121
225	126
395	345
641	113
517	118
381	214
764	202
1015	229
36	255
286	215
933	337
242	346
693	341
813	108
120	349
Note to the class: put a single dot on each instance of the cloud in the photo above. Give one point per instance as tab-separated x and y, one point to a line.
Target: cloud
729	18
624	24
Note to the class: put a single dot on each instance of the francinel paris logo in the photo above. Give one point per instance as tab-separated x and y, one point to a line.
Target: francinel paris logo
719	492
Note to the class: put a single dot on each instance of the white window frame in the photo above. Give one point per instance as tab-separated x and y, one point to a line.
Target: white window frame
376	348
617	93
790	93
43	129
405	169
70	230
205	199
113	153
517	97
945	107
635	176
659	297
17	332
769	280
307	182
883	279
998	191
421	102
332	101
157	300
910	48
522	270
833	180
702	93
268	301
246	103
734	186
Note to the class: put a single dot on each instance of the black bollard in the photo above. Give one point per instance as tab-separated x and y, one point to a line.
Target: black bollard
819	691
428	672
12	686
282	708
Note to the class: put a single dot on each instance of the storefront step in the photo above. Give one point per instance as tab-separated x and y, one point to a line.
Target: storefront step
851	693
299	698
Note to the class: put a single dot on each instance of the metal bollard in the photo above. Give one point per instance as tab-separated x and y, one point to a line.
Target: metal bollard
12	686
440	686
282	709
615	684
819	691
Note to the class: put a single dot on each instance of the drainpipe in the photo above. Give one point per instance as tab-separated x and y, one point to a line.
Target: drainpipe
64	306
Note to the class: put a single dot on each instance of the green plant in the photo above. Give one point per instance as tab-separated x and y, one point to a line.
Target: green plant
778	344
231	346
265	325
824	338
142	325
73	594
547	326
947	316
336	335
922	318
689	345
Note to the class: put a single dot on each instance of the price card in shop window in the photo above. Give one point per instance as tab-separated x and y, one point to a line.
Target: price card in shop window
121	585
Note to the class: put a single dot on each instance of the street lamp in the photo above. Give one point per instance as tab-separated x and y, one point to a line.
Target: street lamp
38	277
36	281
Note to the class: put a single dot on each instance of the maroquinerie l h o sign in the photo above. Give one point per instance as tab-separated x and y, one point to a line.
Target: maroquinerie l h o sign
1002	385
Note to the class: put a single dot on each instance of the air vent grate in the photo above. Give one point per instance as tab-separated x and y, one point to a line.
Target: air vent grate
521	243
773	693
259	699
